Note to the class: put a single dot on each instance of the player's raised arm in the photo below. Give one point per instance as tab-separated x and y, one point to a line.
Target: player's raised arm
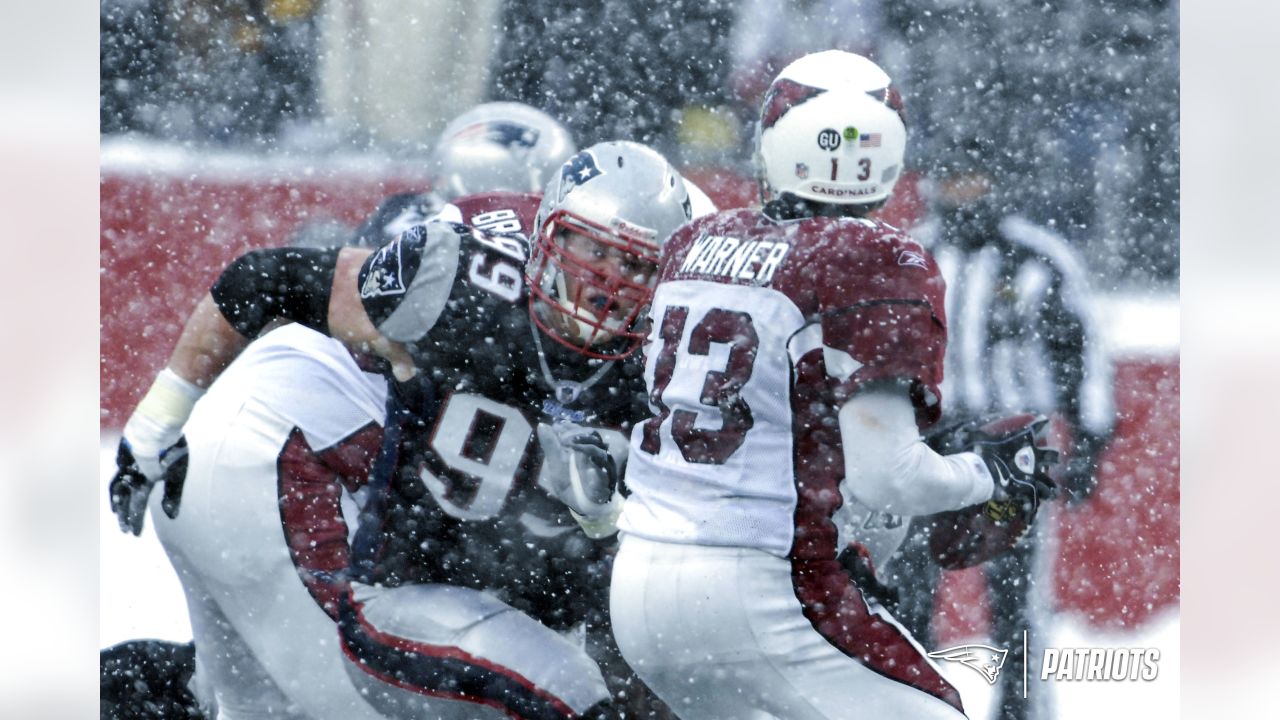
316	288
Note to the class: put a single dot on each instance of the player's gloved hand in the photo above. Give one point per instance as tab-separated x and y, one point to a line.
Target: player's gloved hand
131	485
1012	449
582	470
150	444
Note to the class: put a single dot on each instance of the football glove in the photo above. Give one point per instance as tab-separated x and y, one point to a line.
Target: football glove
1018	465
150	444
582	471
131	486
1012	449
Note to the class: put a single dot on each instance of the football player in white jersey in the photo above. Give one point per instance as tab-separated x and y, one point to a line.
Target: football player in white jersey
793	361
497	146
470	573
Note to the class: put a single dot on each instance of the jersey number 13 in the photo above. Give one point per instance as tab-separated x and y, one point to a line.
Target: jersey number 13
718	391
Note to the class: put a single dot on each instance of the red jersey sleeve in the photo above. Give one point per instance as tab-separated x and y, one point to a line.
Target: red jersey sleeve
880	300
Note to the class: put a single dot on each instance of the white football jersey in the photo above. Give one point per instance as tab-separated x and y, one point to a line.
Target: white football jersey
761	330
296	373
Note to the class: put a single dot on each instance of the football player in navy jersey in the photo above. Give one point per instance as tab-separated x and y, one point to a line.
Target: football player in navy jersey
794	359
498	146
433	486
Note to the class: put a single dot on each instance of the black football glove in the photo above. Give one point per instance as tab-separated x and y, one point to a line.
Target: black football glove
1018	464
1011	448
130	487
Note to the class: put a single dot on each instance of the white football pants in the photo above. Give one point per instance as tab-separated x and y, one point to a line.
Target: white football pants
733	633
452	653
264	646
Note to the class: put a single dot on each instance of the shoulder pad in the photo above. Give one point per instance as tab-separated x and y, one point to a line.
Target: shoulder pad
405	283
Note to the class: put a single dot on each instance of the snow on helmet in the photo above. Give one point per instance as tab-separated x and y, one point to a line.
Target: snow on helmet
600	230
832	130
498	146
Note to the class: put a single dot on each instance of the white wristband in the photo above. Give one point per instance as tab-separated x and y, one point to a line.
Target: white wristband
603	525
157	422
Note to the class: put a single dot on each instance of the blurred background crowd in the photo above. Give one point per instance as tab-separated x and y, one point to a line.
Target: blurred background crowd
1074	103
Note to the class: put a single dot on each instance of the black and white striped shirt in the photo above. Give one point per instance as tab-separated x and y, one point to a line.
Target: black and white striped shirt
1023	330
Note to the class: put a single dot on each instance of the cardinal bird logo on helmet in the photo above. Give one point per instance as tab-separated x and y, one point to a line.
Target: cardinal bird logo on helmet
983	659
783	95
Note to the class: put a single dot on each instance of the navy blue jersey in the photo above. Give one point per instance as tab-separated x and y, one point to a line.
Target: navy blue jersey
464	503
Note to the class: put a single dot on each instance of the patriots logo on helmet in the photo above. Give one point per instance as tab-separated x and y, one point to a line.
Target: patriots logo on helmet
579	170
509	135
983	659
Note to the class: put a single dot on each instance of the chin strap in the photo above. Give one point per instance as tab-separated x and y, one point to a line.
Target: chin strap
566	391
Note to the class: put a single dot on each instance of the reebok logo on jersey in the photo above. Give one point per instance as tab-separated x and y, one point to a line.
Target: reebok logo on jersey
982	659
729	257
912	258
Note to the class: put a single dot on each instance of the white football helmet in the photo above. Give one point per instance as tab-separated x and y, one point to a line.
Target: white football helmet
600	229
498	146
832	130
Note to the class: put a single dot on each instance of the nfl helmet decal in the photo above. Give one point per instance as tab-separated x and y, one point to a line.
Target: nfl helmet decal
829	139
384	273
579	170
511	135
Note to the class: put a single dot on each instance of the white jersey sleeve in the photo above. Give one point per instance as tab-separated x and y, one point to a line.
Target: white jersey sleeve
306	378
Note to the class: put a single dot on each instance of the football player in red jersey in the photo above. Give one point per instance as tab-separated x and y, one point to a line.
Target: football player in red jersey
461	590
794	359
